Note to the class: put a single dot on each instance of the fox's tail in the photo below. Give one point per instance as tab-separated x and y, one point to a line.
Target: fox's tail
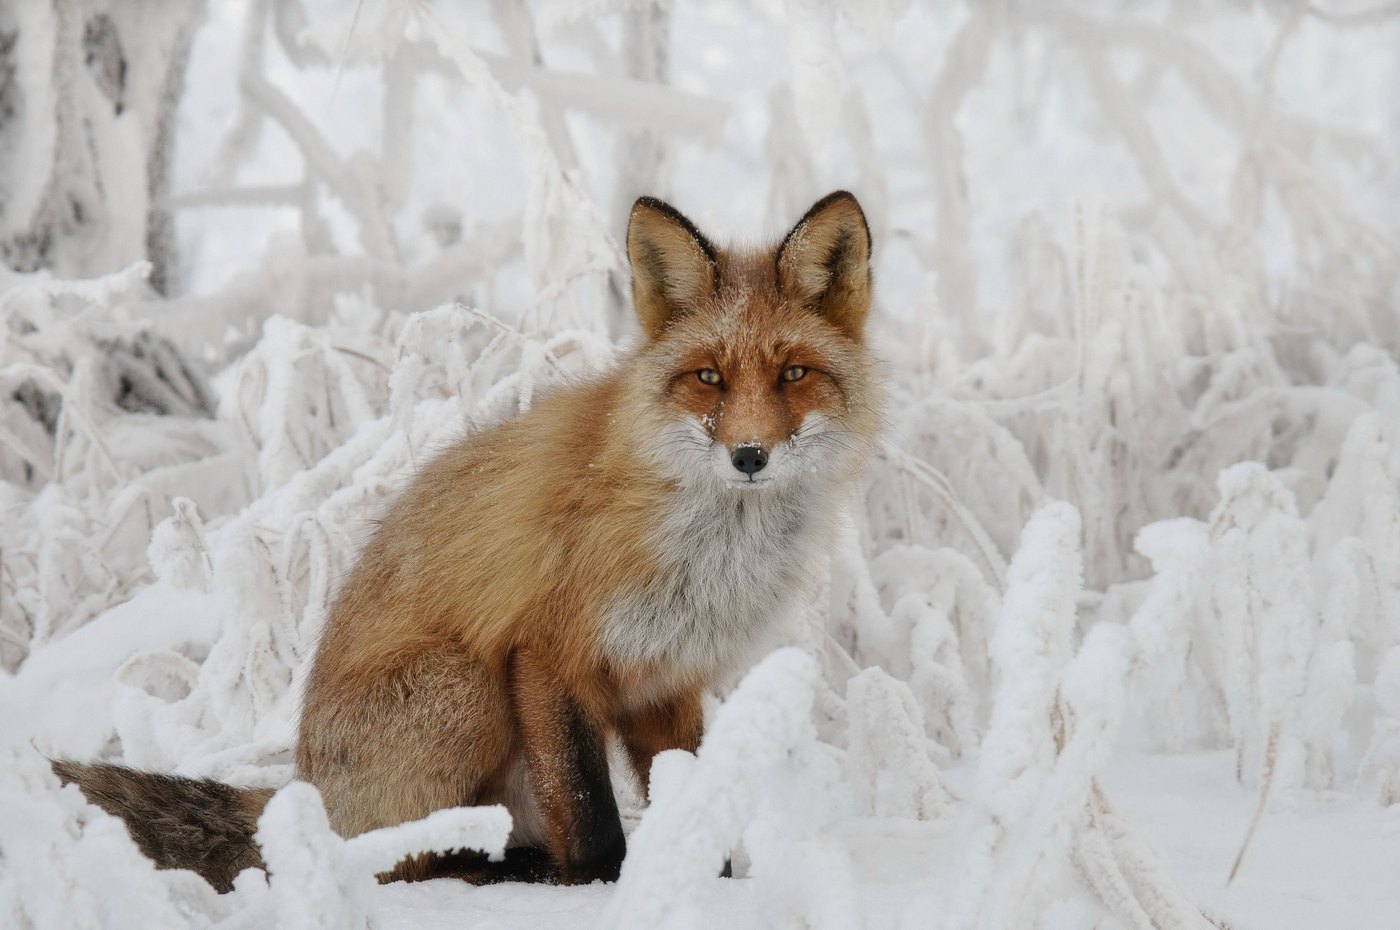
181	823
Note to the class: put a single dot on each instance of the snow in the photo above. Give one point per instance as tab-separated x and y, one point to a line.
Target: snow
316	879
1110	635
742	783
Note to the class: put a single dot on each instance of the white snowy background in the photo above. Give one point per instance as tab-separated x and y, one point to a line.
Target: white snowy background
1120	598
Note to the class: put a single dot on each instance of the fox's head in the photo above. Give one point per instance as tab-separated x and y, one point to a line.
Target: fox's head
755	359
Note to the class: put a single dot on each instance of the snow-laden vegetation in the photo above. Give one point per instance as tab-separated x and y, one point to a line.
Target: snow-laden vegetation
1139	276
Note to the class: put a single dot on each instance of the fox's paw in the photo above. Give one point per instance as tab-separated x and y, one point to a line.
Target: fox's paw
601	860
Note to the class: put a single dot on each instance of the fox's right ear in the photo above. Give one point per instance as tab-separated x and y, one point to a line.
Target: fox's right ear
674	267
824	263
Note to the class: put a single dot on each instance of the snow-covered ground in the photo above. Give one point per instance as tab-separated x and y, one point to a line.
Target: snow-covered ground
1116	616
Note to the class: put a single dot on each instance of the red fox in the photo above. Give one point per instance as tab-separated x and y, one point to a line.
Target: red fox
580	573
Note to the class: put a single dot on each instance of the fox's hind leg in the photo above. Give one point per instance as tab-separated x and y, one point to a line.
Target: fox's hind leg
568	766
387	748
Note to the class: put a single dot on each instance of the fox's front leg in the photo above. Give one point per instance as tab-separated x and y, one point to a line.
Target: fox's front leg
567	758
675	723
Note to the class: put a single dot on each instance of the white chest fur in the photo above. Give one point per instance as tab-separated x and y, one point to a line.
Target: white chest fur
731	563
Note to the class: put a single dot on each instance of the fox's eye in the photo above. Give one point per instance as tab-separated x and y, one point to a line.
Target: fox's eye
795	373
708	376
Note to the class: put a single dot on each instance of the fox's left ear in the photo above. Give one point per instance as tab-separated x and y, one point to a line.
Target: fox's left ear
824	263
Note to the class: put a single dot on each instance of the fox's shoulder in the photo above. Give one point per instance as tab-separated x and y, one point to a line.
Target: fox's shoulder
520	481
572	416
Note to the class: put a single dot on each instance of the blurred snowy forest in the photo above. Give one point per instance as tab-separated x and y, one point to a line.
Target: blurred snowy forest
1112	638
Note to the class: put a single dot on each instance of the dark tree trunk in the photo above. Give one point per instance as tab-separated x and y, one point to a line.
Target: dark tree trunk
87	133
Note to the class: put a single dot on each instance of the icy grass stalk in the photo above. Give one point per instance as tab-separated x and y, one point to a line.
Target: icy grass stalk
887	754
1038	808
298	398
1263	599
319	881
938	676
1380	767
759	769
1086	722
566	238
1363	501
1332	671
873	635
1029	650
1162	626
1127	877
944	610
1256	633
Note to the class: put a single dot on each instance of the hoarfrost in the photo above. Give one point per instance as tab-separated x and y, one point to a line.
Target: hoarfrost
1141	485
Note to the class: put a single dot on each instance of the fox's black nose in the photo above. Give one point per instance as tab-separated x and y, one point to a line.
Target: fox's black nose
749	459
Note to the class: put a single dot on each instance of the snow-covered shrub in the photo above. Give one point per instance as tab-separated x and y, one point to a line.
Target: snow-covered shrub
762	776
101	422
886	752
318	880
